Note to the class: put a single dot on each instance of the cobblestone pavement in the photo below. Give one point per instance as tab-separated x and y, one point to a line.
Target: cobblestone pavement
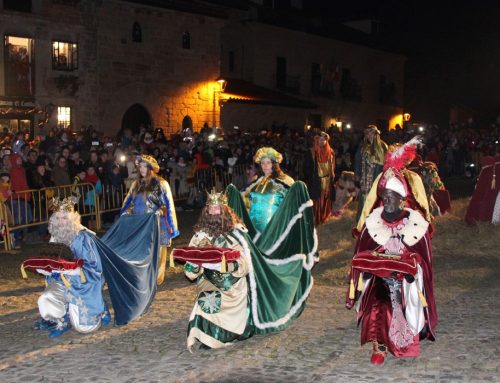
322	345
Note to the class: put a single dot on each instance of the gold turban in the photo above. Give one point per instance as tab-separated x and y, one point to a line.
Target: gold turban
150	161
267	152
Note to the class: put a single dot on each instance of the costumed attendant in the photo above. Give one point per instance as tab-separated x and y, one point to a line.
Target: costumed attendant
345	192
438	196
70	300
151	194
281	244
221	313
391	280
484	205
368	162
266	194
320	169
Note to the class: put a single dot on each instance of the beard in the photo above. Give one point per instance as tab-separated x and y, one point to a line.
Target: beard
65	233
214	225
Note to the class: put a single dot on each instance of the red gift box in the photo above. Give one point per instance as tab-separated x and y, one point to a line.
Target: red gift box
50	264
383	265
200	255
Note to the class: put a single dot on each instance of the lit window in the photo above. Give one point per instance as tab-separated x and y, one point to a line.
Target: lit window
63	116
64	56
18	64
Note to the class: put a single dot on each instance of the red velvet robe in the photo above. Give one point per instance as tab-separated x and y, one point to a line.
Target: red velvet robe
483	199
375	311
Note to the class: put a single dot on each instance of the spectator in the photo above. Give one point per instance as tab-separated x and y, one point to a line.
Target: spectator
60	174
6	165
181	174
19	201
40	179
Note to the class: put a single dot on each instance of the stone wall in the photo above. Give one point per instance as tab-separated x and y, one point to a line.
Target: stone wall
263	43
56	22
252	118
114	72
169	81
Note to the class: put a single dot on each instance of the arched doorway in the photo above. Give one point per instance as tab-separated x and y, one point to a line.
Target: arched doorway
134	117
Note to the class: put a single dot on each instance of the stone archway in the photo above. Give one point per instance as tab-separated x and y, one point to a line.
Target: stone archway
134	117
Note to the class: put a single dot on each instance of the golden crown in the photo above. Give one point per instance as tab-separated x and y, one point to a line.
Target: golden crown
214	198
66	204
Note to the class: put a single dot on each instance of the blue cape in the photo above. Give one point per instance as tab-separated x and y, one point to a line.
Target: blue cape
129	255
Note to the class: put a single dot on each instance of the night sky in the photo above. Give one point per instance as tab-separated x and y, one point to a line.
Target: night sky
442	28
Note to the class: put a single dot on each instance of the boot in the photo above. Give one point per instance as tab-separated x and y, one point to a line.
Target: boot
162	265
379	353
105	317
62	326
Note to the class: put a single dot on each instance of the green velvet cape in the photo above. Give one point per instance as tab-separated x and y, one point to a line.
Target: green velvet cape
281	257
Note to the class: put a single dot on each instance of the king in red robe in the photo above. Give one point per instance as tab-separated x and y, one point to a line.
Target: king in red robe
392	286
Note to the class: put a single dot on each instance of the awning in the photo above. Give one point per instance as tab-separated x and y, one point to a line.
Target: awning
239	91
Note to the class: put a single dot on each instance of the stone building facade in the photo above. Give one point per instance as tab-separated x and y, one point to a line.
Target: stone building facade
32	81
169	79
157	64
347	83
114	64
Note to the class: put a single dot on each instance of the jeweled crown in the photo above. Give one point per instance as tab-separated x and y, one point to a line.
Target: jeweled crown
66	204
214	198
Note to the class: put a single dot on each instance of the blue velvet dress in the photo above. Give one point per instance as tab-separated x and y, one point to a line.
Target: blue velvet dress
155	198
265	196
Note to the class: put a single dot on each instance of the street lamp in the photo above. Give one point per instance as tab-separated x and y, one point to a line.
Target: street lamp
217	99
222	83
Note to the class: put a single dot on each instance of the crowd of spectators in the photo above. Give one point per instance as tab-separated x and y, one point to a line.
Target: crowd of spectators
458	149
189	160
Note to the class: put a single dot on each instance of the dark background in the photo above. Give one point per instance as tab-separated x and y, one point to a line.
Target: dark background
453	51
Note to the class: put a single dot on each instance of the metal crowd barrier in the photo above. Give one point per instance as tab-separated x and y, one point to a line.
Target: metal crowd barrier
111	199
219	178
29	208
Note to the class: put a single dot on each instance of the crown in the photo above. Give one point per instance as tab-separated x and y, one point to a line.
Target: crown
66	204
214	198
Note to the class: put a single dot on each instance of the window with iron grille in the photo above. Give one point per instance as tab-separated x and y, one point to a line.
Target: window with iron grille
64	56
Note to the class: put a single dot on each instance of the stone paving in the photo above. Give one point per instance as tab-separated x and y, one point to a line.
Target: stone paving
322	345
